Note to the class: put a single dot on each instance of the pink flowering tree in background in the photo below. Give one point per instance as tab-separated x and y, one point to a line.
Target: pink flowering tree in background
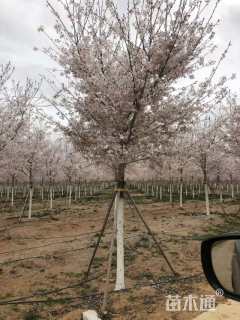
10	166
130	83
73	166
181	152
232	128
32	144
11	161
231	166
51	158
207	138
15	101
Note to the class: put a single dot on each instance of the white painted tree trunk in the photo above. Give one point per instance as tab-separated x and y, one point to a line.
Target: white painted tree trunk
160	193
30	203
193	192
181	195
221	194
51	198
232	190
42	193
207	199
79	192
119	216
70	196
12	197
170	194
75	193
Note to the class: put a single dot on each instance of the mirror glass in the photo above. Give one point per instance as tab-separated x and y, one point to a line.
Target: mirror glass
226	264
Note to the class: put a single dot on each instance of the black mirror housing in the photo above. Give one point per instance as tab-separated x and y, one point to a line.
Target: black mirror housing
220	258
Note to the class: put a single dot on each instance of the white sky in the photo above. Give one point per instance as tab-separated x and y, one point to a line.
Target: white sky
19	20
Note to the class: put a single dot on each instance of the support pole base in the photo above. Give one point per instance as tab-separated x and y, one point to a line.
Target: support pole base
90	315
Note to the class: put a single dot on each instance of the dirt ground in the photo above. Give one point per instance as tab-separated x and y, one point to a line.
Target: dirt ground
43	261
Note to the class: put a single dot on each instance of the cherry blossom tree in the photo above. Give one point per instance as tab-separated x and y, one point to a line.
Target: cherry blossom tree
181	151
11	161
231	166
123	71
15	100
206	143
51	158
232	128
72	166
32	144
130	79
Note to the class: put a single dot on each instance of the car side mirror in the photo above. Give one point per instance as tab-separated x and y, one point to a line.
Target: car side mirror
221	264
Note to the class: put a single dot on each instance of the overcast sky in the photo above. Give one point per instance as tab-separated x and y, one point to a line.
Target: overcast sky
19	20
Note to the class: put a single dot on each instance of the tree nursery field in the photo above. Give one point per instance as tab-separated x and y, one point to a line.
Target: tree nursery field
119	156
43	261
